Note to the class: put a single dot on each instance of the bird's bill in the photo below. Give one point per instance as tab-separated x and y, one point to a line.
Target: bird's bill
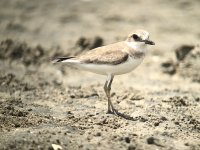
149	42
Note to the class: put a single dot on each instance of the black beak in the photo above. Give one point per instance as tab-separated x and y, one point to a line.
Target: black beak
149	42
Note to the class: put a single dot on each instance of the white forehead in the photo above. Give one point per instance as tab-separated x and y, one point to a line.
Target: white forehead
142	33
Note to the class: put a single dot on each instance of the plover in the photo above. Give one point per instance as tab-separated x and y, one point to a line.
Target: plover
114	59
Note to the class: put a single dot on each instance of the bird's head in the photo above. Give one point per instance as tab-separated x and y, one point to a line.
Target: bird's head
139	38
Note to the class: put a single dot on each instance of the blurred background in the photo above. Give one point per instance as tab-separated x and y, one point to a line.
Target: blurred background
61	22
43	104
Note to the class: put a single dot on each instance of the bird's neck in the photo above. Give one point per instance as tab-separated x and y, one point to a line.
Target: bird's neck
140	47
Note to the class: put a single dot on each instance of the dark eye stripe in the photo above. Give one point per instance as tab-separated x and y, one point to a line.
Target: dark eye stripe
136	37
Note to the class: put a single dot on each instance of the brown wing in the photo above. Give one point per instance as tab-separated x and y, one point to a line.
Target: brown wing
110	54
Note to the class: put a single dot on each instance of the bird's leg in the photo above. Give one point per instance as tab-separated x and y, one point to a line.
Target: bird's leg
109	83
111	109
106	91
109	89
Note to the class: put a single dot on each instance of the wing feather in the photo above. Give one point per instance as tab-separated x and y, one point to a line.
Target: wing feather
111	54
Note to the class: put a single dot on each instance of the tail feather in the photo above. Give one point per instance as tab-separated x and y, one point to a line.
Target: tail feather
61	59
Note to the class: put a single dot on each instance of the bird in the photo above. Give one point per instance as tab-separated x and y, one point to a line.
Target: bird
111	60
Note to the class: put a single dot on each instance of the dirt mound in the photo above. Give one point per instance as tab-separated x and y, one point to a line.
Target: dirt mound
187	63
52	106
89	43
21	52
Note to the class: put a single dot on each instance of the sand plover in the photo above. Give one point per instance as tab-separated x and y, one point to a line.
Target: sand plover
114	59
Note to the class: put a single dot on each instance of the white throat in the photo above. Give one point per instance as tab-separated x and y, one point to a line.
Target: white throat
137	46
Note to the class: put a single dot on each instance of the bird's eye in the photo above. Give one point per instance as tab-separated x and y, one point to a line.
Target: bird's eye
136	37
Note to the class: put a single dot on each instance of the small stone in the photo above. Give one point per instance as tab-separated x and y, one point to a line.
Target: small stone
80	146
155	141
131	147
127	140
176	123
17	125
58	141
156	124
151	140
163	118
98	134
72	96
56	147
169	67
197	99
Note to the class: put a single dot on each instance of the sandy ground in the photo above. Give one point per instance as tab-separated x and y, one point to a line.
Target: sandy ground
43	104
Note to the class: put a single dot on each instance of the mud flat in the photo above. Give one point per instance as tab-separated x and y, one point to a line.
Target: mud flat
47	106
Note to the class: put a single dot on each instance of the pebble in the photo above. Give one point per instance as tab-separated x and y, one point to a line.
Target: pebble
56	147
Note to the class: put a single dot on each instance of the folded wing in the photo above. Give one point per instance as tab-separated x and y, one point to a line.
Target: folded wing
110	54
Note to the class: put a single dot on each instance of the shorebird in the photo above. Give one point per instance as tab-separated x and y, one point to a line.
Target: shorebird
114	59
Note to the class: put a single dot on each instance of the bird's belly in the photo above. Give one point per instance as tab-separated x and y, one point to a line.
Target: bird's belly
105	69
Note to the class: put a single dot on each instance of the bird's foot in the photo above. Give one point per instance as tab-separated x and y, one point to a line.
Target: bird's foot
110	112
125	116
117	113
